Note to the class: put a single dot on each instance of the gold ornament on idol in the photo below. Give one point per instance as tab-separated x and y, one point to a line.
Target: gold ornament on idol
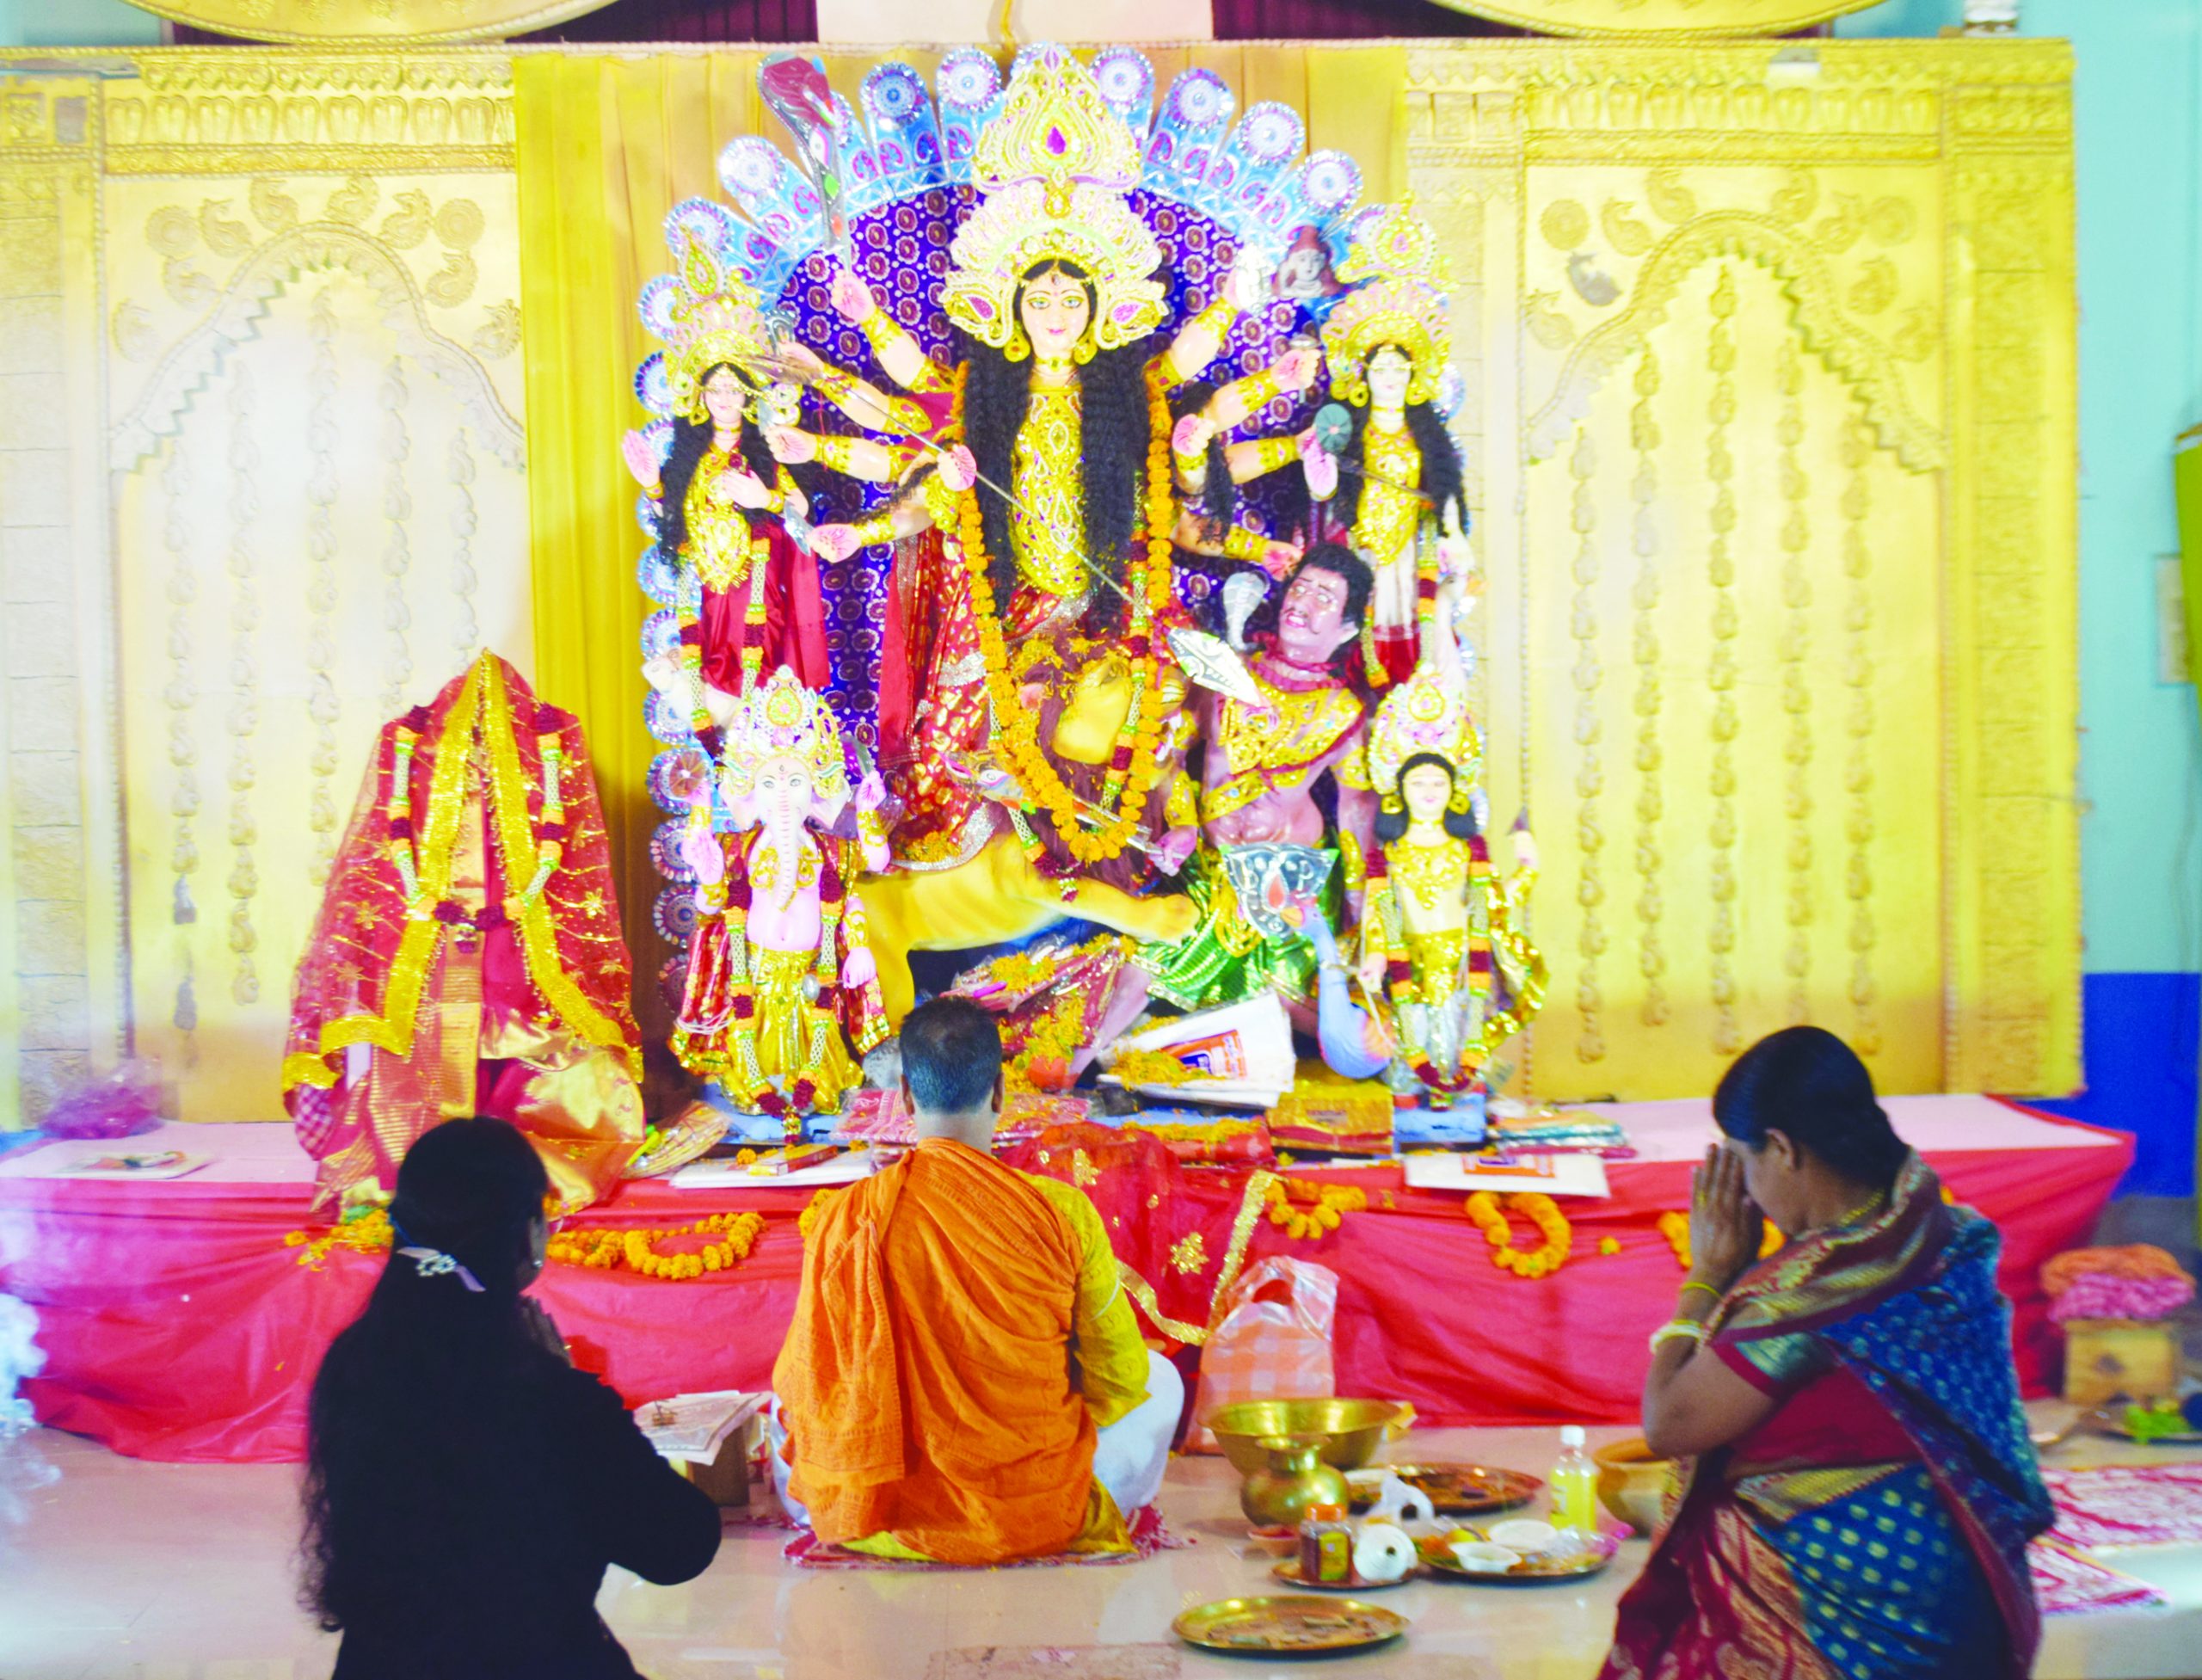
1399	277
1054	169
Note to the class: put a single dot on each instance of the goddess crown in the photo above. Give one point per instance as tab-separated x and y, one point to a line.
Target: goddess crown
1399	277
779	718
1427	713
1055	166
714	317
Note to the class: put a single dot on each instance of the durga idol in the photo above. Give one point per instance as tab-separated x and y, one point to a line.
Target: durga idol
1062	401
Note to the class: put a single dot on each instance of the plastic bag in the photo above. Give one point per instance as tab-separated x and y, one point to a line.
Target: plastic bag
1272	1342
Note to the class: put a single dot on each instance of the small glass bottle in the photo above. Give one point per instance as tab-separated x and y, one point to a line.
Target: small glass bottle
1326	1545
1574	1486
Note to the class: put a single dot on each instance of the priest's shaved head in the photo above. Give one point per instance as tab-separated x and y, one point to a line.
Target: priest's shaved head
951	1070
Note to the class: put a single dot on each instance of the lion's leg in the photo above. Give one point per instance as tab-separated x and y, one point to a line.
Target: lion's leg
895	908
1165	917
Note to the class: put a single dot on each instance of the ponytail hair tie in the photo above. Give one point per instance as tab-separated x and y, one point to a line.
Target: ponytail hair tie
435	1263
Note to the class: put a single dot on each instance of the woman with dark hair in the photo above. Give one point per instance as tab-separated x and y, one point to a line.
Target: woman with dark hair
1858	1487
466	1486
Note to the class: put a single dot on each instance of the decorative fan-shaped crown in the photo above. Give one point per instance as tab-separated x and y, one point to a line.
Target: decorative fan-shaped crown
714	317
1056	165
1056	128
1427	713
780	718
1399	277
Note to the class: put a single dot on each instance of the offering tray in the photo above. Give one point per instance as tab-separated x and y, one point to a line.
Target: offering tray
1438	1558
1287	1571
1456	1489
1289	1626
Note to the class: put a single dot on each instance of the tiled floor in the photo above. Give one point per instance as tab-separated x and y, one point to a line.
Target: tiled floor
112	1569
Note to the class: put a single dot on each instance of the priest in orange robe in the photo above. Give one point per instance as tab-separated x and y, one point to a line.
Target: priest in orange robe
467	958
964	1382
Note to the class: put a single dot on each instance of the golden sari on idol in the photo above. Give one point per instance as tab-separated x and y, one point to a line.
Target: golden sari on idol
467	958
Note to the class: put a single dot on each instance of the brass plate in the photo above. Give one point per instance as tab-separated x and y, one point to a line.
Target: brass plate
1287	1626
1457	1490
1438	1558
1289	1573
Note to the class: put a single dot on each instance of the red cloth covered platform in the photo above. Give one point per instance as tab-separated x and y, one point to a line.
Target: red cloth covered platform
178	1326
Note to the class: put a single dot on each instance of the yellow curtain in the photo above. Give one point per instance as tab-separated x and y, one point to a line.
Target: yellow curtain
606	145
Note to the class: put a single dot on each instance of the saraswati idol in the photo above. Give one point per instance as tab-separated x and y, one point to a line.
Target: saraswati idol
1446	956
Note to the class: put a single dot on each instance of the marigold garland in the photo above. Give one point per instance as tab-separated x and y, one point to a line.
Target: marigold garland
1674	1227
1305	1209
606	1250
368	1233
1131	766
808	1217
1144	1067
1489	1214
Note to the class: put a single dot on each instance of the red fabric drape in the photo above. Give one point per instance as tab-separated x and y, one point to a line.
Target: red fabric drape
178	1326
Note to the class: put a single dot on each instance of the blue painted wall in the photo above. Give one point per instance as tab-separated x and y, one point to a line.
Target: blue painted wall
2138	118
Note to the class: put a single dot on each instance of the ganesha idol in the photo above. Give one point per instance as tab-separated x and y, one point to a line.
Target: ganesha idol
780	998
467	957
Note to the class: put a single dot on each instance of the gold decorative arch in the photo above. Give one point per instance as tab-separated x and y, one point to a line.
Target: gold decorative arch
390	23
1860	357
1659	20
275	265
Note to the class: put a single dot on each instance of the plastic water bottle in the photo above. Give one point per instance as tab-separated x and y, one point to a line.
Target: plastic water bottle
1574	1486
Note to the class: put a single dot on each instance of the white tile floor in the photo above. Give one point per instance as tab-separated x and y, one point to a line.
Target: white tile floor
117	1570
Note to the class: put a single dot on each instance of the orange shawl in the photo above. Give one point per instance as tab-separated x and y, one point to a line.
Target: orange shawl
926	1381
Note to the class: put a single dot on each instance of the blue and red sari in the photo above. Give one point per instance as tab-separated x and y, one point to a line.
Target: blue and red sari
1875	1526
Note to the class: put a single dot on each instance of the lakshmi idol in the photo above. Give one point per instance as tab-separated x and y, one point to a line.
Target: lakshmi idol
1398	497
781	984
1052	522
750	600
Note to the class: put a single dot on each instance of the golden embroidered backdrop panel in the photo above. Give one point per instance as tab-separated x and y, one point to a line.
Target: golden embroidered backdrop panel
1771	420
314	394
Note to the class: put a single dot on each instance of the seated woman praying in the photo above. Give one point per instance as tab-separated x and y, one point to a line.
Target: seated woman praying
1858	1487
466	1486
964	1382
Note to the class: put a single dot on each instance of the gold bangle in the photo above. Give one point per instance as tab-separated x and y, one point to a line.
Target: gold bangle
1241	544
1676	1330
1270	453
1257	388
879	328
1219	315
1695	1283
833	452
879	528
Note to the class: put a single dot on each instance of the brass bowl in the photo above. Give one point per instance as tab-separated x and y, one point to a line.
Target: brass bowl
1632	1483
1352	1430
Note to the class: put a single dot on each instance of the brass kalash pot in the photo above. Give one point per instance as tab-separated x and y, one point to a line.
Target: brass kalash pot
1279	1492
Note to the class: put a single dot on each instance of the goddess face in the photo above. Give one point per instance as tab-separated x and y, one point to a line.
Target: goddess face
1426	790
1311	620
1390	372
724	399
1055	311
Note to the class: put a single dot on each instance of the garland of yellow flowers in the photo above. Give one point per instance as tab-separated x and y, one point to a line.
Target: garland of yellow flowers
605	1250
1302	1208
1131	766
1135	1066
1675	1227
1489	1214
